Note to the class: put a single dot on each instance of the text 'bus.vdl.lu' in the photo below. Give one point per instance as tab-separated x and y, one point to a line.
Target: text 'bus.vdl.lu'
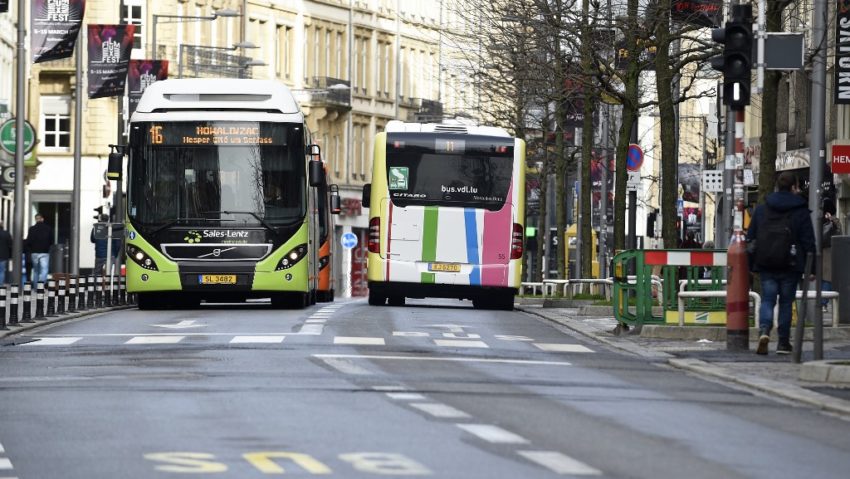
227	197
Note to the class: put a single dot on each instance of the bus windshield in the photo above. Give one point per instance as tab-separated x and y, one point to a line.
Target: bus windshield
445	170
216	173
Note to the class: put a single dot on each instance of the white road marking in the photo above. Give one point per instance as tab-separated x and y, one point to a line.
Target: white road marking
406	396
389	388
493	434
462	336
411	334
155	340
560	463
257	339
505	337
2	450
315	321
53	342
460	343
5	463
186	323
563	348
446	358
312	329
440	410
361	341
346	367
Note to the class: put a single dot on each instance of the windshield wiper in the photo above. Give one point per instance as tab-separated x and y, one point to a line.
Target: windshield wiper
262	221
175	221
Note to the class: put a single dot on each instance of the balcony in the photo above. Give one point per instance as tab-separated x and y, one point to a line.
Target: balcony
326	92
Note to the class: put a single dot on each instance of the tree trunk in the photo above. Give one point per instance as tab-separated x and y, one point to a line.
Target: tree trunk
666	107
770	97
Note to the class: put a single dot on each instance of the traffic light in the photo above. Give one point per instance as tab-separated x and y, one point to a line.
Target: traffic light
99	211
736	62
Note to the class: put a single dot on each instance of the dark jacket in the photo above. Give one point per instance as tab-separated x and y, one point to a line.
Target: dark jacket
39	238
801	225
100	246
5	245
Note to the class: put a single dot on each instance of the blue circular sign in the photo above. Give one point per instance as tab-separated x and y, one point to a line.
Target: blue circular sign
634	158
348	240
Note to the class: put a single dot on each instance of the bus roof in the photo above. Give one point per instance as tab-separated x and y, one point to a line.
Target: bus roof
454	127
217	94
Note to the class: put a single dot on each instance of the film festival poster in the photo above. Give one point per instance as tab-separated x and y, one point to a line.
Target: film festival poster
142	74
55	25
109	57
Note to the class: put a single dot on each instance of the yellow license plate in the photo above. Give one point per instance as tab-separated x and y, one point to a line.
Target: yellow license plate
446	267
217	279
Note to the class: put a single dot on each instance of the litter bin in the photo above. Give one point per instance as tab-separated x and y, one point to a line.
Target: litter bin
58	258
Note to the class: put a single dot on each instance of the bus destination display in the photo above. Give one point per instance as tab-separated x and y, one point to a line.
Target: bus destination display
216	133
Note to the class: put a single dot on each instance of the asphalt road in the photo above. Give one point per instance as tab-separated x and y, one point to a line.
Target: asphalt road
352	391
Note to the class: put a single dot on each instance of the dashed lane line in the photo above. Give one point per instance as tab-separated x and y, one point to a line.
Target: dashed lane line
529	362
155	340
493	434
257	339
560	463
359	341
5	464
460	343
562	348
438	410
406	396
64	341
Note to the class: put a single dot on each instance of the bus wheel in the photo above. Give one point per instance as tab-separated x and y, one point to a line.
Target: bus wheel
479	303
396	300
148	301
291	301
376	299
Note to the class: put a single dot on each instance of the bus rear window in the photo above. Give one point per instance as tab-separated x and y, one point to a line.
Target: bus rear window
460	171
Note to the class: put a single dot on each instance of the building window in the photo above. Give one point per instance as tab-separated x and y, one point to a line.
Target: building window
338	54
56	122
283	55
133	13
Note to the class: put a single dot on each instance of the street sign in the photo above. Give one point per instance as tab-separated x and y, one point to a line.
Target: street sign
633	181
634	158
712	181
841	158
8	139
7	177
348	240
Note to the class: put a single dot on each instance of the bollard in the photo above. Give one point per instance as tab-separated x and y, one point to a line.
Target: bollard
81	293
72	294
90	293
123	298
51	298
738	294
13	306
60	309
26	315
3	326
39	301
107	292
99	294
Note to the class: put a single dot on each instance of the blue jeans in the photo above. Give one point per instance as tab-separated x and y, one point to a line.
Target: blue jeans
4	263
783	285
824	287
40	262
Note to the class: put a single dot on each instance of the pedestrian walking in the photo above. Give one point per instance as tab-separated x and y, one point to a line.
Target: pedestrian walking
779	238
38	243
830	227
5	252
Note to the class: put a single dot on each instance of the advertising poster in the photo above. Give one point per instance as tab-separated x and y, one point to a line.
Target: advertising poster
109	58
55	27
142	74
842	53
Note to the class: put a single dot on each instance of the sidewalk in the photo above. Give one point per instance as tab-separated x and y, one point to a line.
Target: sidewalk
775	375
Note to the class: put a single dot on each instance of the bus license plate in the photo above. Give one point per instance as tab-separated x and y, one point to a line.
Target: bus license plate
445	267
217	279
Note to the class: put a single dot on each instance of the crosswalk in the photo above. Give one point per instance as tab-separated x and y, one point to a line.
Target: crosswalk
276	339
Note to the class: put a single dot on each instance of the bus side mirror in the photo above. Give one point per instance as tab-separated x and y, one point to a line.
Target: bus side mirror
314	151
116	166
317	173
335	201
367	195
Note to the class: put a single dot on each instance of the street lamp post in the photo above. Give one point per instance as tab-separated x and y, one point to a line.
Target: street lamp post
224	12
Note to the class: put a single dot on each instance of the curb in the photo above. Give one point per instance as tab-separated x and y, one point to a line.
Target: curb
776	388
828	371
21	327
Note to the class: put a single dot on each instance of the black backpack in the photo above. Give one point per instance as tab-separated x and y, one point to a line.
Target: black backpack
775	247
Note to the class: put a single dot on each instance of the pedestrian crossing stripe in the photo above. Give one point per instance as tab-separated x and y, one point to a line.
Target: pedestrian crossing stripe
165	339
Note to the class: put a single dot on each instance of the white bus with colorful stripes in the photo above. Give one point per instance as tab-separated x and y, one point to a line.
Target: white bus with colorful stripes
447	214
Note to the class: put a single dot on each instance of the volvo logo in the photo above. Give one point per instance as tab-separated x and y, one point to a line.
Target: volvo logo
216	252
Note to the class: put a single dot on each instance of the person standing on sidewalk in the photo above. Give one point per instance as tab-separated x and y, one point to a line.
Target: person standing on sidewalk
779	238
5	252
39	241
831	227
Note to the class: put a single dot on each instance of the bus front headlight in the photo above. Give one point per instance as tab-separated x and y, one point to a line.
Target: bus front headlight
141	258
293	256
